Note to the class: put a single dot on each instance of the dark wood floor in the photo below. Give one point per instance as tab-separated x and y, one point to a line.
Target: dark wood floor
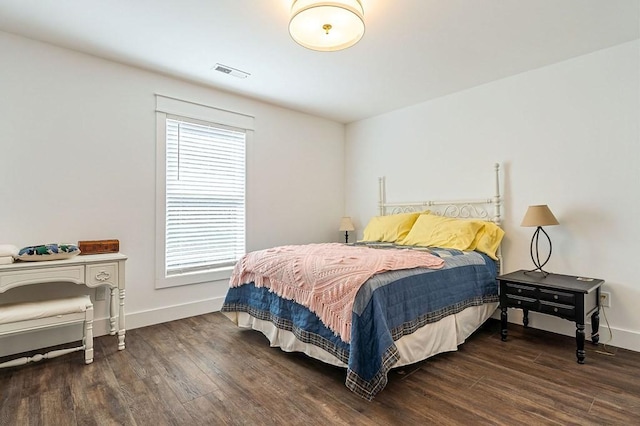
204	370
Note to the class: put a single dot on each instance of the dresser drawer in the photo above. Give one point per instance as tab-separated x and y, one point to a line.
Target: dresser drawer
20	277
557	296
102	274
557	309
521	290
522	302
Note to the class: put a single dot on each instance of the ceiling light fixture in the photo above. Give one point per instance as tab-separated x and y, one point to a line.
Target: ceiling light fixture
326	25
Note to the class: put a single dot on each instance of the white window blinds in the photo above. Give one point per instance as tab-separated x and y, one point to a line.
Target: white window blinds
205	196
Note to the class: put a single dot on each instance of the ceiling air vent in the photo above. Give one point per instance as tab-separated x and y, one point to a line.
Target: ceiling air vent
231	71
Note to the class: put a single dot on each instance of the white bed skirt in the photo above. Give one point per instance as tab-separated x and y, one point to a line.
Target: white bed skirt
442	336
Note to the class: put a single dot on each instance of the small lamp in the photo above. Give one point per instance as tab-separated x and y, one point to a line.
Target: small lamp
346	225
539	216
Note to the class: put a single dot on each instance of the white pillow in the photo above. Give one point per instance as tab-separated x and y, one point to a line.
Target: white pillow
8	250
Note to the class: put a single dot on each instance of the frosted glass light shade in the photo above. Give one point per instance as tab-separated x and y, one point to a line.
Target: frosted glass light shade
326	25
539	216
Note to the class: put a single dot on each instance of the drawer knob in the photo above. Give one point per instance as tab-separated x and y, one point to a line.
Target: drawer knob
519	302
555	309
102	276
519	290
555	296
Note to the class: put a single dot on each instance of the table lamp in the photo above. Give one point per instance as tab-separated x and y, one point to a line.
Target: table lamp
539	216
346	225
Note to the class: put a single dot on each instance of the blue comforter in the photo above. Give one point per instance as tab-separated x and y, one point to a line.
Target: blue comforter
388	306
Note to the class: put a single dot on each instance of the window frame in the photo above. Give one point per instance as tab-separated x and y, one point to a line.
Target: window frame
174	108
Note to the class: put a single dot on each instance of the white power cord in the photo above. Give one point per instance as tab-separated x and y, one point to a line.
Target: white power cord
604	350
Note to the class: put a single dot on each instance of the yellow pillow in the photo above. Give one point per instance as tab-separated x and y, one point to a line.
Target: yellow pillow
390	228
437	231
488	239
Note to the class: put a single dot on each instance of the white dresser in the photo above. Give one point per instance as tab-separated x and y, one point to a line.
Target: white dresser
91	270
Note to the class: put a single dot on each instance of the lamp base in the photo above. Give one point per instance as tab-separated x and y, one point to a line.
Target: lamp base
537	271
535	253
346	237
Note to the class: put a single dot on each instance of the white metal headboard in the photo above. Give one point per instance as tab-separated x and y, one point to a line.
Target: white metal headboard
466	209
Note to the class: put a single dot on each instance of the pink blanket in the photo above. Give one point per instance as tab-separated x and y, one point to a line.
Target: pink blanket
324	277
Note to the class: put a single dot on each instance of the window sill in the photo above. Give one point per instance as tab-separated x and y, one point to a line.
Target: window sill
195	277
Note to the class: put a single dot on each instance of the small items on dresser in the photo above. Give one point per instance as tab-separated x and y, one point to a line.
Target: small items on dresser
99	246
7	253
46	252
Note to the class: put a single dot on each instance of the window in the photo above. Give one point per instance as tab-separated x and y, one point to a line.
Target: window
201	195
205	197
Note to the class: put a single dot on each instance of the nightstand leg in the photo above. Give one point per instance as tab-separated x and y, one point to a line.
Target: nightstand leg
580	353
595	327
525	317
503	322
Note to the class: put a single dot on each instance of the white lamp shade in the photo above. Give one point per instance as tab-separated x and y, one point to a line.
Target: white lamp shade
346	224
326	25
539	216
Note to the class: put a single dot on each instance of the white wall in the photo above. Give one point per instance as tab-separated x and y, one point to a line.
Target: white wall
567	135
77	162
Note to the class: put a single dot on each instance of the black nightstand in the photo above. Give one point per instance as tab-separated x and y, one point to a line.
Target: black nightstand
563	296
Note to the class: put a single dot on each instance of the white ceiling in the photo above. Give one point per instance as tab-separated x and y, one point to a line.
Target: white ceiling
412	50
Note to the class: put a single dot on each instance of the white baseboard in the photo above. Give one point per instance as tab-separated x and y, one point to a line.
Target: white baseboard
172	313
625	339
41	339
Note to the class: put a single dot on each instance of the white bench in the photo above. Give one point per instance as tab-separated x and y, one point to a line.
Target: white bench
30	316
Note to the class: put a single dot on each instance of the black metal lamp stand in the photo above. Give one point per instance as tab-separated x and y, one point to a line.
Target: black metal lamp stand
535	254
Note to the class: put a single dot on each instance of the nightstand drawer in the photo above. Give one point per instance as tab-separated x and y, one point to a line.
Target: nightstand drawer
557	309
521	290
521	302
557	296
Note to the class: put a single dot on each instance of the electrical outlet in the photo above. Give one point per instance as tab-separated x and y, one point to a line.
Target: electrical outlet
605	299
101	293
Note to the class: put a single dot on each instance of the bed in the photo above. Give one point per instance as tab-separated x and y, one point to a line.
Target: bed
395	313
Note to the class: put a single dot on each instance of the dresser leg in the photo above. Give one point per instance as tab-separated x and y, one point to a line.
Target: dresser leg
580	353
595	327
503	323
113	310
121	325
525	317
